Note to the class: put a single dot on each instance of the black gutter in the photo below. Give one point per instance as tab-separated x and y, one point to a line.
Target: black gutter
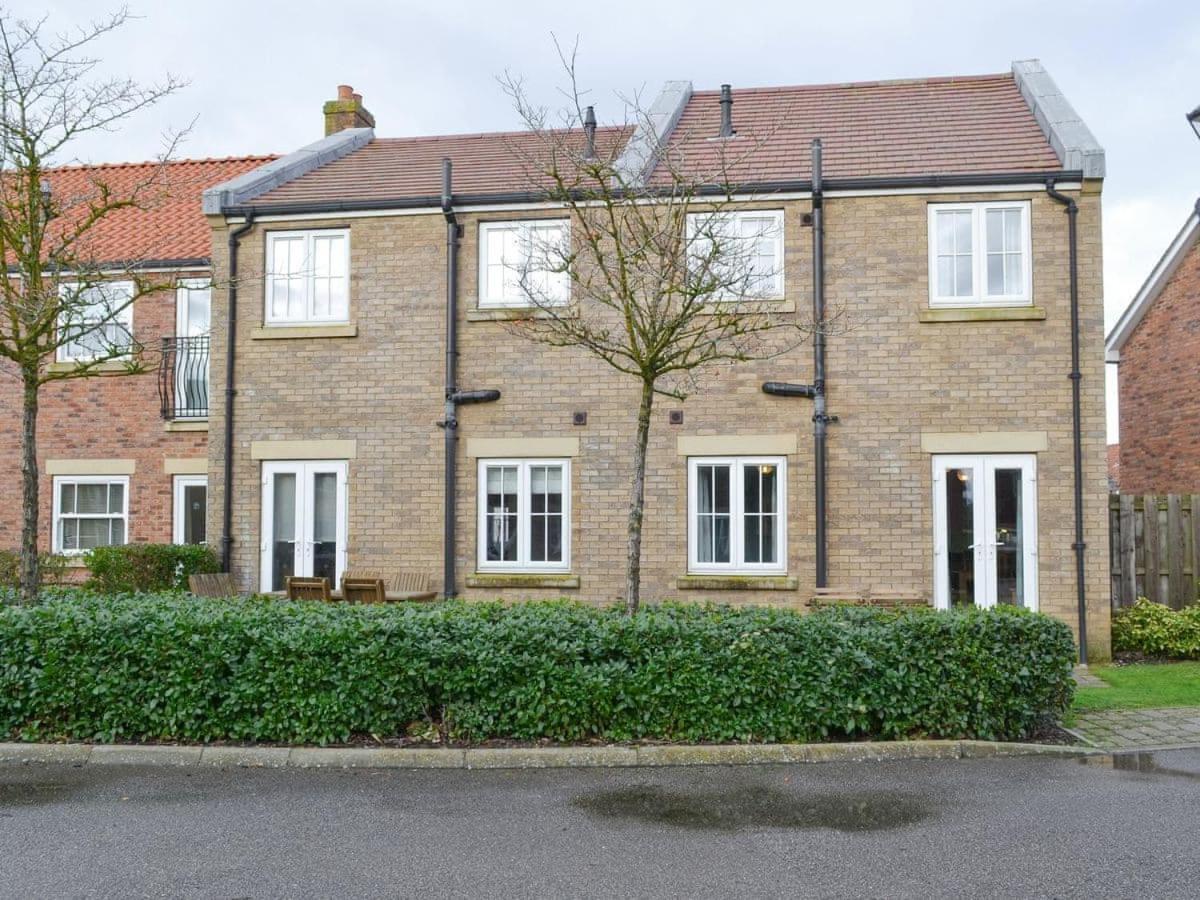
230	343
453	396
1072	211
973	179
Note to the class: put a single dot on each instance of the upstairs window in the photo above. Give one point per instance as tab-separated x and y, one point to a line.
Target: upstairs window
741	251
308	277
979	254
521	263
95	321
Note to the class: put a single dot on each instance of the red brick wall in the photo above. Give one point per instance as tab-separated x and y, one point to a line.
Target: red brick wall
1159	377
105	417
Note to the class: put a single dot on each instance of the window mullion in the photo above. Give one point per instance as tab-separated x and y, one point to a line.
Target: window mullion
979	250
523	518
737	554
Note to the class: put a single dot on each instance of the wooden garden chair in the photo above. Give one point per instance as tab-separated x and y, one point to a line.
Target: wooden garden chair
363	589
300	588
213	584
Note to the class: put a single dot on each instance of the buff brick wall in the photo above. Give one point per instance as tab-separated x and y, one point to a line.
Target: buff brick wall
1159	378
890	378
104	417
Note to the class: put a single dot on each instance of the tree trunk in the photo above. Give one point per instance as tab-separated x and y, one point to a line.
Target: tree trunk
637	499
30	577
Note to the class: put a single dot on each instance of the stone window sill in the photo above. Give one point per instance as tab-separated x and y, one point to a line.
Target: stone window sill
108	367
505	314
186	425
982	314
520	580
737	583
751	307
300	332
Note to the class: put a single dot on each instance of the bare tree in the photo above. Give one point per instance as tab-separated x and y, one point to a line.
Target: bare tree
62	300
656	278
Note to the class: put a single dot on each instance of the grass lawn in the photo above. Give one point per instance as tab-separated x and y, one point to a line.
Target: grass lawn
1143	686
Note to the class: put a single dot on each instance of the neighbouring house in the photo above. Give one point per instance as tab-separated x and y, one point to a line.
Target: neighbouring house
951	461
122	458
1156	348
1114	468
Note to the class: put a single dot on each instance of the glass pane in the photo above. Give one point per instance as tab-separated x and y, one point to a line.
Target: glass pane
995	230
721	540
704	489
750	489
117	531
325	526
1010	575
94	533
768	540
195	503
962	232
116	498
1012	229
704	539
554	548
721	484
945	276
945	232
751	540
770	488
960	536
1013	278
69	539
67	501
501	513
995	274
283	541
197	314
964	278
92	498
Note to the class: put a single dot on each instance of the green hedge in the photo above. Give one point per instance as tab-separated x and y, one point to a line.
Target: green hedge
51	566
1156	630
147	567
180	668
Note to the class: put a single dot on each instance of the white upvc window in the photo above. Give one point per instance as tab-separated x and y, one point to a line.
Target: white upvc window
980	254
90	511
522	263
95	321
524	515
308	277
748	259
737	515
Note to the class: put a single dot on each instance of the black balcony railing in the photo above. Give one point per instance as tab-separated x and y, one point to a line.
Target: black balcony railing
183	378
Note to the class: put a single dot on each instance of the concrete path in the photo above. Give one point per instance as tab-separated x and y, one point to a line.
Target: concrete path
1132	729
1016	827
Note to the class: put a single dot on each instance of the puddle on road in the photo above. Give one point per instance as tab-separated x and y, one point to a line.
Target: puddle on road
1145	763
733	809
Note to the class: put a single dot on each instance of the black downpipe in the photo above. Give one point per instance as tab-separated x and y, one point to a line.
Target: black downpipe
230	392
820	418
450	425
1072	210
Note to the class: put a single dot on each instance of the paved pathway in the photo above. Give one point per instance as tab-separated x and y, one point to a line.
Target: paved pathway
1133	729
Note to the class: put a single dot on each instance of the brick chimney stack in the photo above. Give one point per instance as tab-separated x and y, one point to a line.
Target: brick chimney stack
347	111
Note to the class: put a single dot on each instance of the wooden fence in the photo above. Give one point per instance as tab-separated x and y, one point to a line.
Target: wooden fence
1153	548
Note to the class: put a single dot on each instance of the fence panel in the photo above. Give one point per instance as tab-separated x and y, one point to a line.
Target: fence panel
1154	546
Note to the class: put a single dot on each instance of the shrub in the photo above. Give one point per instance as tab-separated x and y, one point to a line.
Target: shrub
179	668
147	567
1156	630
52	568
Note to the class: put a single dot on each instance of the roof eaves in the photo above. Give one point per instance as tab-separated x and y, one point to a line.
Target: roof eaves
1152	287
644	146
1069	136
256	182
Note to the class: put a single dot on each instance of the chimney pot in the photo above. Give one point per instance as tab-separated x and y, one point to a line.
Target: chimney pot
589	133
345	92
727	111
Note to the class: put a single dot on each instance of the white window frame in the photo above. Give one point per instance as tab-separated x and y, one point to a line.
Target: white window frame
524	513
305	539
178	517
59	516
737	564
983	467
309	277
524	228
777	289
123	317
979	295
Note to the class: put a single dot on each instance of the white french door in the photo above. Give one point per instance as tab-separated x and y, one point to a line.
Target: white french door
985	530
304	522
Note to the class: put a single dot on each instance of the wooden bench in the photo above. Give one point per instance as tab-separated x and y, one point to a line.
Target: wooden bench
213	584
886	599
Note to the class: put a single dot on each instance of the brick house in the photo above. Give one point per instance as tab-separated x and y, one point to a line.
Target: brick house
118	439
950	465
1156	348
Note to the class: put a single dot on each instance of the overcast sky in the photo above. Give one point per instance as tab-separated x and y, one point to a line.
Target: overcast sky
259	72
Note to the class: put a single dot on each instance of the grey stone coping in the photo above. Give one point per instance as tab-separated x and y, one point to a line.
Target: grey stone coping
603	756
